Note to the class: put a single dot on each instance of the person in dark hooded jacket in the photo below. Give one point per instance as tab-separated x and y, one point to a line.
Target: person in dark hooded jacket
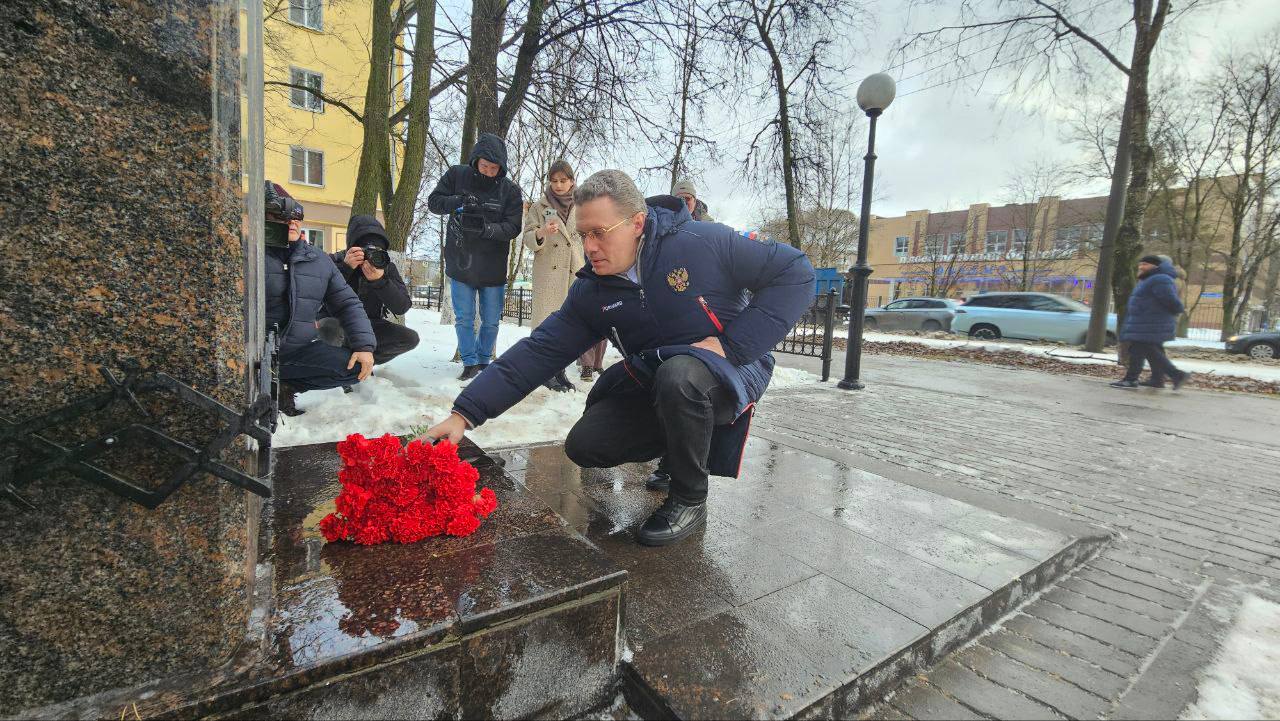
298	283
484	209
694	309
381	290
1151	319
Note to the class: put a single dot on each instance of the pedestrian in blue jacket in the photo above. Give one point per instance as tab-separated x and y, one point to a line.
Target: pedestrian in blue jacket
1150	320
693	308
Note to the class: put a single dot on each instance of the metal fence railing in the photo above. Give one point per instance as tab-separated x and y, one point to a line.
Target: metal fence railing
814	335
518	304
426	296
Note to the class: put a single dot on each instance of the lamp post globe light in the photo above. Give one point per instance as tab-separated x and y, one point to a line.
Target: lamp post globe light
874	95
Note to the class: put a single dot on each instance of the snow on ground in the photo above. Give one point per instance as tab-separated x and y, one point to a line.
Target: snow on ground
1073	355
418	388
1243	681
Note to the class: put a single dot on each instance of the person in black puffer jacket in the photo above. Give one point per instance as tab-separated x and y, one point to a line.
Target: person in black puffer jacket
484	209
299	281
382	291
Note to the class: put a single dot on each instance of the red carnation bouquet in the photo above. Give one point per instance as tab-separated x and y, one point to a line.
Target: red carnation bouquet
404	493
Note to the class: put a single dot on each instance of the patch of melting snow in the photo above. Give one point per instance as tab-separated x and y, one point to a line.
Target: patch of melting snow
1243	682
418	389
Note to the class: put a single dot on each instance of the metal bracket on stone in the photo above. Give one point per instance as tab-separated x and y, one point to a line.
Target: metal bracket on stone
38	455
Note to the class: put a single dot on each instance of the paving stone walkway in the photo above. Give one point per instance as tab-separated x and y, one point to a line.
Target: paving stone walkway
1190	483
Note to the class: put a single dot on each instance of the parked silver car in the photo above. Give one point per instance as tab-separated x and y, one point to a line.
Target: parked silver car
927	314
1027	316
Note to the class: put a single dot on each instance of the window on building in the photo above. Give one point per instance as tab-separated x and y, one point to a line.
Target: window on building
307	13
314	237
997	241
306	166
901	245
1021	241
933	245
1093	239
1067	239
300	98
955	243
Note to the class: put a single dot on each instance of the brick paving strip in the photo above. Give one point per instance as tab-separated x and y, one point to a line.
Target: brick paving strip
1196	517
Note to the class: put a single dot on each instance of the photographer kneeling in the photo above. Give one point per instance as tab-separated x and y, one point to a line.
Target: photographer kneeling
373	276
299	281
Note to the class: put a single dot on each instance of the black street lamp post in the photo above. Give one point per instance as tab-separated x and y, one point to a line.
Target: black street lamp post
874	95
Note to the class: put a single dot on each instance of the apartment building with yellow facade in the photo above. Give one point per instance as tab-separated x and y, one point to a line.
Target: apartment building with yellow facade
312	148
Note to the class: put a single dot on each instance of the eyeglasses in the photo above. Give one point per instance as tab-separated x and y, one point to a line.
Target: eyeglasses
598	235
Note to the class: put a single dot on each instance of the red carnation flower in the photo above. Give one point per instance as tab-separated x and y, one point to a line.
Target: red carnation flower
404	494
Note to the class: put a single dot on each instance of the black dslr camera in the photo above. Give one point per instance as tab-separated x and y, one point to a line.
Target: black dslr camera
471	217
278	211
376	256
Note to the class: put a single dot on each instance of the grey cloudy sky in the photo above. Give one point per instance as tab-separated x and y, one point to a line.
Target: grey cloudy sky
950	146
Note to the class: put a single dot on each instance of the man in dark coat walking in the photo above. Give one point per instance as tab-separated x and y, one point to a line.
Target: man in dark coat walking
484	209
381	290
694	309
299	281
1150	320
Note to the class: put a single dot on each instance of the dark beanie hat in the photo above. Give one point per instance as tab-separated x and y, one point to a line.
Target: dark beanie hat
1152	259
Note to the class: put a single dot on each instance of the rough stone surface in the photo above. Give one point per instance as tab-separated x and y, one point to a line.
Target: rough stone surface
120	200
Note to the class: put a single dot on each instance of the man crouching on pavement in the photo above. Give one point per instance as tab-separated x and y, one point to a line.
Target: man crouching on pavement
672	294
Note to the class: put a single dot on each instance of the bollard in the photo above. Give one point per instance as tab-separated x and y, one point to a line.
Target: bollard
828	333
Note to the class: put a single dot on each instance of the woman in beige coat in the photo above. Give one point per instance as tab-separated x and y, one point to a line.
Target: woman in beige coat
550	232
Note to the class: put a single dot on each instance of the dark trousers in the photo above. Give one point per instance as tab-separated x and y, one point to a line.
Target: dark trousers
1152	353
675	420
393	338
316	366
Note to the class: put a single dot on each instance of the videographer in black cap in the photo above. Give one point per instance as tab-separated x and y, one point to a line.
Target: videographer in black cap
368	269
299	281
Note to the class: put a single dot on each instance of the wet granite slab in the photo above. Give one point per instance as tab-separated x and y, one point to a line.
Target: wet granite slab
120	203
522	618
815	586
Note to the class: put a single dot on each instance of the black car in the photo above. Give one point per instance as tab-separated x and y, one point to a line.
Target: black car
1264	345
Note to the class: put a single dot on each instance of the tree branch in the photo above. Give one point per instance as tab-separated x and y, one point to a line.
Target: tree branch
324	98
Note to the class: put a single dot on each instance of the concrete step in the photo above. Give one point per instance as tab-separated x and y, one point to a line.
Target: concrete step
815	588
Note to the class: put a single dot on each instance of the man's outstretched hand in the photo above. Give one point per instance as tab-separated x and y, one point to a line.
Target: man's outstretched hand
365	359
450	429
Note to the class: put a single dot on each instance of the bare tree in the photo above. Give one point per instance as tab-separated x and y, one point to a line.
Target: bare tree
1246	92
795	38
1187	208
1031	258
1055	38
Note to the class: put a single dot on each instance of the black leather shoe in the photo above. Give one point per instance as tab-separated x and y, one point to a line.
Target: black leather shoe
469	372
1180	380
658	481
348	389
672	522
1151	384
1125	384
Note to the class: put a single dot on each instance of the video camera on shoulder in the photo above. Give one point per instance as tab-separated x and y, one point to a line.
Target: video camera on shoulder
278	210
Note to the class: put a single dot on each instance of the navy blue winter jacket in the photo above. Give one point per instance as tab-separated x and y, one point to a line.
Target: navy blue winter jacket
313	282
1154	307
696	280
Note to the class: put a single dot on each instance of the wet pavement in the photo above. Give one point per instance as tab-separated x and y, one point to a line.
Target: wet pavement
813	588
